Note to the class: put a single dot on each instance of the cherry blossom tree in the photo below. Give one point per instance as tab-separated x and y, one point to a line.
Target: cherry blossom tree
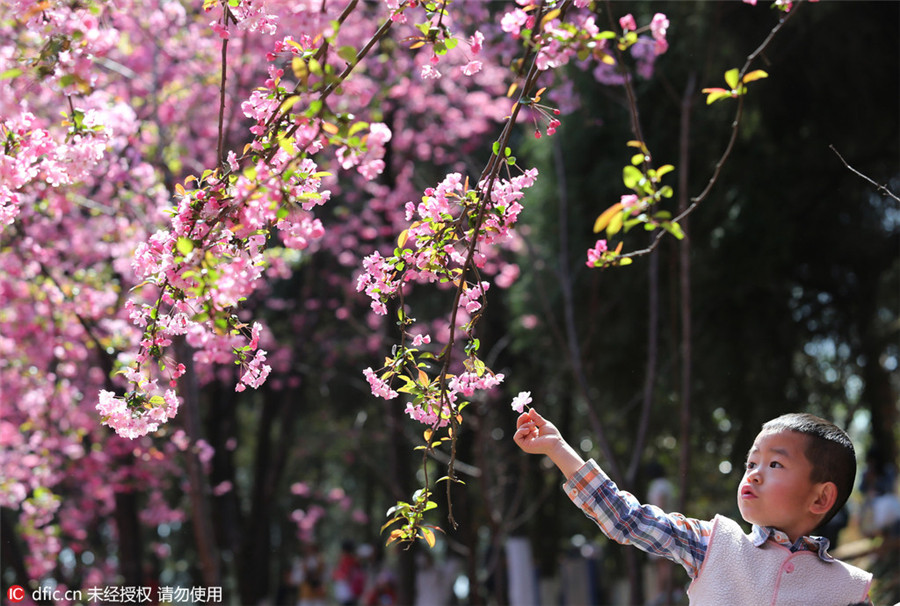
166	163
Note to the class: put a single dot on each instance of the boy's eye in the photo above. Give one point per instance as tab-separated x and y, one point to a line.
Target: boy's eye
751	465
775	464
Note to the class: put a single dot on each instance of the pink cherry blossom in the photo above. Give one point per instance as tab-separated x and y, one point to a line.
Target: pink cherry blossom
521	401
595	254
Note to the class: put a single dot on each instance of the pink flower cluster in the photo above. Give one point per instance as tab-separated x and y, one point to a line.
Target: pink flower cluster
370	160
33	154
470	298
564	40
380	387
643	49
596	254
438	250
434	249
436	410
222	225
131	423
251	15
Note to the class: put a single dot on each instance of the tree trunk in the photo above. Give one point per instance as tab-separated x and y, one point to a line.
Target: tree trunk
198	486
684	255
129	531
10	548
401	489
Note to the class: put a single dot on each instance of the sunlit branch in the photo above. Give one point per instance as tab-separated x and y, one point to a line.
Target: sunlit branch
735	130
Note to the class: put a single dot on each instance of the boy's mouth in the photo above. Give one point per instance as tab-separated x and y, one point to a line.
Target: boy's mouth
747	493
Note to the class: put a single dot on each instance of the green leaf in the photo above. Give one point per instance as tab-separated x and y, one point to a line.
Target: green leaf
335	27
716	94
631	176
674	229
401	508
606	216
288	103
550	16
184	245
756	74
347	53
731	77
78	119
664	170
287	144
15	72
389	522
315	106
615	224
357	126
428	535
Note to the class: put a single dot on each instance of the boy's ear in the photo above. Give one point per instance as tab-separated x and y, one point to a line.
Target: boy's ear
826	495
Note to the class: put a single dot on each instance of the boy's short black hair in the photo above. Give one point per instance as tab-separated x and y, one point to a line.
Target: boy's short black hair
828	448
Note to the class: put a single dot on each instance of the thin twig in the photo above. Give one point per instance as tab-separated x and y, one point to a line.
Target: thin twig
877	185
220	146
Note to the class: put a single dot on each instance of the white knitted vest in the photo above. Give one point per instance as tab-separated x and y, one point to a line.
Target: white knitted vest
737	573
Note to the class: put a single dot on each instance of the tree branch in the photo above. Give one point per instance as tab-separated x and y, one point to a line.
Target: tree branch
878	186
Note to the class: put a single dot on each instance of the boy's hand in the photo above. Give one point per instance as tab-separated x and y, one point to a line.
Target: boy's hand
536	435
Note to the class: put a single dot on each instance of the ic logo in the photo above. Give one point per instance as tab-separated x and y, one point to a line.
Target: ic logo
16	593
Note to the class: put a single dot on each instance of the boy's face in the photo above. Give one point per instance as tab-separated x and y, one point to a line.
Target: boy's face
776	489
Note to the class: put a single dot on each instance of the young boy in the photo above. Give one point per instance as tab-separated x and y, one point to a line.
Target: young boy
800	471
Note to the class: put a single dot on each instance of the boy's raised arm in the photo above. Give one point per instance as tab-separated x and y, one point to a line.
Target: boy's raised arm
536	435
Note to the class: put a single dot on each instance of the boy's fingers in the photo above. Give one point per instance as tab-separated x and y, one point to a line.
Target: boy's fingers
522	435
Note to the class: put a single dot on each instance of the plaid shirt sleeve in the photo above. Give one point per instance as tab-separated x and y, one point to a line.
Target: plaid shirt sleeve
625	520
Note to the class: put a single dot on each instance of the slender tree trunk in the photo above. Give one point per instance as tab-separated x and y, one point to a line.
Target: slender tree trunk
573	343
226	509
198	486
651	368
10	548
635	576
401	489
684	252
878	392
129	530
257	539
